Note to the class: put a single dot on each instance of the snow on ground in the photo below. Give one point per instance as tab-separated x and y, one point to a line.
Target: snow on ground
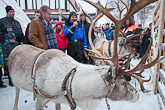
147	101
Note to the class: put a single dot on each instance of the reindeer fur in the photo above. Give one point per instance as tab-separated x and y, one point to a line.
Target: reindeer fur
88	86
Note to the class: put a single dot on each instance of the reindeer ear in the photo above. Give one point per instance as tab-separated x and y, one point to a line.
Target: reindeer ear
110	75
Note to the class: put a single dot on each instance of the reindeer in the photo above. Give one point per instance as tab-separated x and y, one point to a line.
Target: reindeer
55	76
106	47
90	82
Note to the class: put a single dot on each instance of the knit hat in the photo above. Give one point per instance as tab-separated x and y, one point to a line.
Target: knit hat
72	13
100	27
140	25
107	23
10	35
58	23
8	8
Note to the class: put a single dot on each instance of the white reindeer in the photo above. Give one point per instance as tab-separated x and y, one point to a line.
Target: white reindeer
88	86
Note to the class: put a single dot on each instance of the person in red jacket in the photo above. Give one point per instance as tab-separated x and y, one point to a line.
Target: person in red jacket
62	41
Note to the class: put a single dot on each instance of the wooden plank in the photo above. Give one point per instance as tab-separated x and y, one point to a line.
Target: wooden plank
156	17
157	7
162	75
161	89
156	24
160	25
152	71
161	102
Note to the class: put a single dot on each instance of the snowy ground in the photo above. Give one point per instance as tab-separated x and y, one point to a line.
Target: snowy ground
147	101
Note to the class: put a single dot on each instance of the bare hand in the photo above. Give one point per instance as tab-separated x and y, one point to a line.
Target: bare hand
75	24
86	56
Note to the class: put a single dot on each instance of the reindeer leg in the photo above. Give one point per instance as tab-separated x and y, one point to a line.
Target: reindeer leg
58	106
41	102
16	98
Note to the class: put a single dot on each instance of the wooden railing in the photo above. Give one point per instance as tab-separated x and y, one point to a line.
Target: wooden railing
158	38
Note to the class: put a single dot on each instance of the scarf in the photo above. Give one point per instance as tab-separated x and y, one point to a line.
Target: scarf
49	34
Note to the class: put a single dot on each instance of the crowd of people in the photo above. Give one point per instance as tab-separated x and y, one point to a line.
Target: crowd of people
73	36
140	42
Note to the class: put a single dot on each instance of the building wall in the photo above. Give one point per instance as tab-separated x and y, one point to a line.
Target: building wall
53	4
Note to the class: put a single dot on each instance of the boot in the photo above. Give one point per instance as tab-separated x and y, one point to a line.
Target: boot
2	86
10	83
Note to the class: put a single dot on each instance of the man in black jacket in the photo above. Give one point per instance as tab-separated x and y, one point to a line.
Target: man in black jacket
9	24
26	39
146	40
84	22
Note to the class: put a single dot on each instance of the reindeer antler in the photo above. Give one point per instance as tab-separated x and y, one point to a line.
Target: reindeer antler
141	67
93	20
135	7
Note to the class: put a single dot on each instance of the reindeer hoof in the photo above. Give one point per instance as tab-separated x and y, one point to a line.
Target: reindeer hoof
15	109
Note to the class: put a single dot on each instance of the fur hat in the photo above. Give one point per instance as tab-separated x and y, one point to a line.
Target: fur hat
81	13
8	8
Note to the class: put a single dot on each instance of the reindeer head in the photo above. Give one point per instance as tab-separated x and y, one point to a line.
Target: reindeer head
121	89
126	47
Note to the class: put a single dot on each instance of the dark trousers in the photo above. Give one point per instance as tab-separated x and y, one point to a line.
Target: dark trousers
7	73
1	82
76	51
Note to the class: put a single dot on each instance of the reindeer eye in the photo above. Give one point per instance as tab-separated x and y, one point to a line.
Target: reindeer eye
123	83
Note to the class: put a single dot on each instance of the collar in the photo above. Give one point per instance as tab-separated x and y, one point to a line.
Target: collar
9	18
46	22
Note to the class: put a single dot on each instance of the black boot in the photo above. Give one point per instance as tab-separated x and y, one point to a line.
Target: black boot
10	83
2	86
1	82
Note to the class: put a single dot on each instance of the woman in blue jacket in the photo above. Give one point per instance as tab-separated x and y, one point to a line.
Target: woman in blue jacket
75	33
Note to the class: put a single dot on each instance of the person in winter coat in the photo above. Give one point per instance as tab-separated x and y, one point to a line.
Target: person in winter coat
84	23
26	39
1	65
9	24
112	33
146	40
132	28
41	33
7	47
62	41
75	33
100	33
107	31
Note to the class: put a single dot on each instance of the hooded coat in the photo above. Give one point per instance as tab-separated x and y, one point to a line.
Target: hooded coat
62	41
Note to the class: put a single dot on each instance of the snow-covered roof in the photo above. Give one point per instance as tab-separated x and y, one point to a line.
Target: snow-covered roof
19	13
